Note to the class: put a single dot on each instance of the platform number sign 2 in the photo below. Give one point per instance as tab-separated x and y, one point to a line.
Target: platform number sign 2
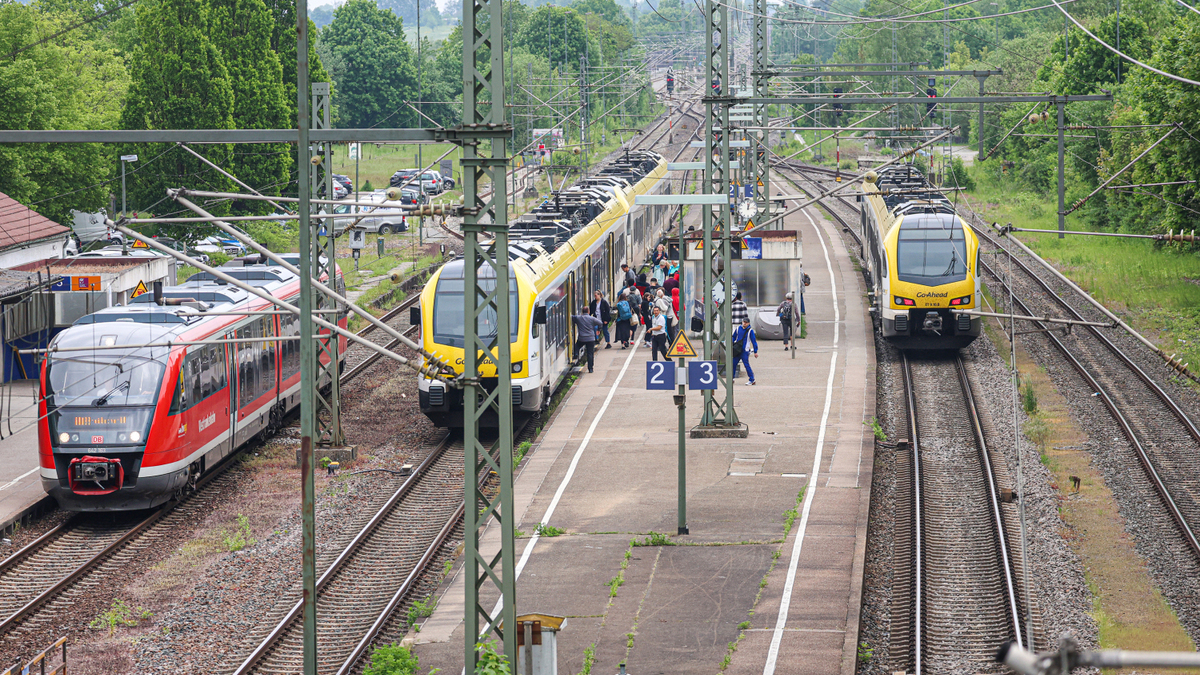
660	375
702	375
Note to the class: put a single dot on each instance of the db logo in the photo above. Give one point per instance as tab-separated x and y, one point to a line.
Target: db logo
97	439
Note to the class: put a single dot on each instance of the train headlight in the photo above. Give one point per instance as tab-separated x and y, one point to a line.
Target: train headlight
135	436
904	302
516	367
64	437
958	302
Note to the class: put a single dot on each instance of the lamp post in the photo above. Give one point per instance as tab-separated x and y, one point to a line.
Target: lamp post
124	160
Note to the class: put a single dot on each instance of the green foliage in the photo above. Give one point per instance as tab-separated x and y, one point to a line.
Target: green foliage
76	81
865	652
1091	65
367	187
1037	430
421	609
876	429
178	81
490	661
554	33
957	176
545	530
380	74
240	537
653	539
392	660
256	76
119	614
589	659
1029	400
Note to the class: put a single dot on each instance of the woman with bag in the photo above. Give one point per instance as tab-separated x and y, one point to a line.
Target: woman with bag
624	314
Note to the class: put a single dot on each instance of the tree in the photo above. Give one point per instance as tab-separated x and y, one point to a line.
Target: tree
68	83
283	43
556	34
379	75
258	95
1091	65
606	9
179	81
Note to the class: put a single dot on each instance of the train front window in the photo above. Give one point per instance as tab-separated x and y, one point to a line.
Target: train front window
103	380
930	253
449	326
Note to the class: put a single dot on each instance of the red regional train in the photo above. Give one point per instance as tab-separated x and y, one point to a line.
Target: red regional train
127	423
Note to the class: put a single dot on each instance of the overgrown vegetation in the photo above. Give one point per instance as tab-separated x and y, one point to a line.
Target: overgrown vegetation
392	660
117	615
652	539
545	530
240	536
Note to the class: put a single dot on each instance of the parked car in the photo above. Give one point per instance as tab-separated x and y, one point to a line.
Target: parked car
340	191
215	244
344	181
402	176
447	182
384	219
183	248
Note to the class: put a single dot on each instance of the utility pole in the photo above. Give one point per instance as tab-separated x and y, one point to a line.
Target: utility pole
308	358
324	265
1062	181
760	156
486	294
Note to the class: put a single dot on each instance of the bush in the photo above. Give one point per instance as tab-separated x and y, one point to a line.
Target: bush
367	187
392	660
958	175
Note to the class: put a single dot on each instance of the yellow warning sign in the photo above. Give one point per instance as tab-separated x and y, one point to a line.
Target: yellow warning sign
141	288
681	347
760	182
749	226
699	245
138	243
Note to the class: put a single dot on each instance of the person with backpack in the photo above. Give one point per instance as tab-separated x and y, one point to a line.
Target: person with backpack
599	308
784	312
743	339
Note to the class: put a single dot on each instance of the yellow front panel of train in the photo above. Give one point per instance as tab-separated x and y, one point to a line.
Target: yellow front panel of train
442	323
931	268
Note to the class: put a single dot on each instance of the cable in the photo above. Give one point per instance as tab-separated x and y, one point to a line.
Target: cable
1123	54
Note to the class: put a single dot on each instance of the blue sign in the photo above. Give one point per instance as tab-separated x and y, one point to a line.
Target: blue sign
702	374
752	249
660	375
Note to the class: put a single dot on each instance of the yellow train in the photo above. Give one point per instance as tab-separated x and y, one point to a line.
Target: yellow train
922	262
559	253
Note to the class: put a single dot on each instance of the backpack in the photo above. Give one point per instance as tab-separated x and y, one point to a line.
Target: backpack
785	311
739	347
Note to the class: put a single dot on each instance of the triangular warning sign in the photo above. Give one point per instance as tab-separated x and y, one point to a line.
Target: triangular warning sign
749	226
742	241
138	243
141	288
681	347
700	245
760	182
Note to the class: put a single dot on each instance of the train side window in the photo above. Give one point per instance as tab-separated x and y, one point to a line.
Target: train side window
194	380
205	357
218	358
178	401
267	328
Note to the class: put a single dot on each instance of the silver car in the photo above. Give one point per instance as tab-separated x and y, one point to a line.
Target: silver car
381	219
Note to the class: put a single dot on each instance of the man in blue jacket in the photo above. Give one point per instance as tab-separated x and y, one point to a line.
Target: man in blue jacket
743	339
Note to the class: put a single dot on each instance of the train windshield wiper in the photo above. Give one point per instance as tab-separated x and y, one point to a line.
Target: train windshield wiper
953	261
124	386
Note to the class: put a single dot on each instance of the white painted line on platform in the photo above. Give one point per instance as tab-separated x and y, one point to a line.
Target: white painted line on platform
20	478
562	487
789	583
837	317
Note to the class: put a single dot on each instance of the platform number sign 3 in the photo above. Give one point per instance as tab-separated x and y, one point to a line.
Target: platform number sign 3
660	375
702	374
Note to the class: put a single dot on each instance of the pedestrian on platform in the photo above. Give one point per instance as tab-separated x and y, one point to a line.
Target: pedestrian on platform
624	316
629	276
807	282
671	283
647	315
784	312
588	330
660	254
738	311
600	309
658	334
743	339
664	307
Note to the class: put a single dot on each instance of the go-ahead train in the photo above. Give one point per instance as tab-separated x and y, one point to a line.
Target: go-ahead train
922	262
128	422
559	254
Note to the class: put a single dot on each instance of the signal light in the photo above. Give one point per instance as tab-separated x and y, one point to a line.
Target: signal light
931	93
907	302
958	302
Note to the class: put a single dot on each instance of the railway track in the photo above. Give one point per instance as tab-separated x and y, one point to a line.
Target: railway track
955	592
1162	435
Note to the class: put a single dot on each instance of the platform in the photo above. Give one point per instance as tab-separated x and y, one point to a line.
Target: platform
20	485
605	472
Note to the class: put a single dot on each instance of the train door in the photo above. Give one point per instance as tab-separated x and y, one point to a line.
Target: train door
572	303
230	351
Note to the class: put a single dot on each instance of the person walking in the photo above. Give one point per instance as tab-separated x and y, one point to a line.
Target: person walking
600	309
624	315
738	311
660	254
784	312
587	329
658	334
671	283
743	339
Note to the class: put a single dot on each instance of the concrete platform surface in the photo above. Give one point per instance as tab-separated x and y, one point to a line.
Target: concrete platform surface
769	579
20	484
